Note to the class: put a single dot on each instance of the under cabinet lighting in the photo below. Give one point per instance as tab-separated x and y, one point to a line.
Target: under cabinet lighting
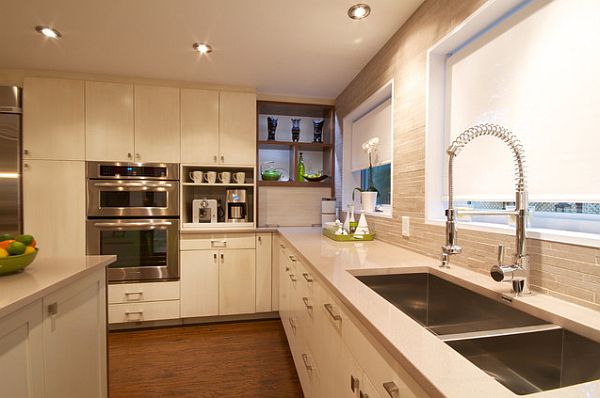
48	32
202	48
359	11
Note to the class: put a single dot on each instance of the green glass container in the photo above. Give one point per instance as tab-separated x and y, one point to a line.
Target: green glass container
300	172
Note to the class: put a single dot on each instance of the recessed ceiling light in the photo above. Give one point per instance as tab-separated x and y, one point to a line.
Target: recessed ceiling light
48	32
202	48
359	11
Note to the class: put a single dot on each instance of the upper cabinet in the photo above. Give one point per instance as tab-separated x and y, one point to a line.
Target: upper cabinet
199	126
237	123
157	137
109	121
53	119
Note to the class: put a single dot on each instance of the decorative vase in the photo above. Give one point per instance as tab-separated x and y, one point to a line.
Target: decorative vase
295	130
272	126
318	130
368	201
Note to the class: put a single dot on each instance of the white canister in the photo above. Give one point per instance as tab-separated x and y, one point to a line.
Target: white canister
368	201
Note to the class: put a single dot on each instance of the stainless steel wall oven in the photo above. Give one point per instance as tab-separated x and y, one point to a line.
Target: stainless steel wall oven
133	212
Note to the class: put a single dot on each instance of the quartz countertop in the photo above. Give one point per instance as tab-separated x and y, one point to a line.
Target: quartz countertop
439	369
43	276
225	230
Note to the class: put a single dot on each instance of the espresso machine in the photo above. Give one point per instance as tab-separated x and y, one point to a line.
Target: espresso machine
236	208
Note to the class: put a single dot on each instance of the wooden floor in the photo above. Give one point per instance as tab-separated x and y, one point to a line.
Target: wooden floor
242	359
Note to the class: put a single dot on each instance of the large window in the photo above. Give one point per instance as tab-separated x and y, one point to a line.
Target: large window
381	180
532	69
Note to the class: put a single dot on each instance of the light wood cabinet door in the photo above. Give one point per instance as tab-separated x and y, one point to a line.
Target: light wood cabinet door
237	272
108	121
237	121
54	206
21	353
199	283
199	126
263	272
53	119
74	330
157	135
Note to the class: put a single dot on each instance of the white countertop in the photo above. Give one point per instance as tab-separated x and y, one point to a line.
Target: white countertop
43	276
438	368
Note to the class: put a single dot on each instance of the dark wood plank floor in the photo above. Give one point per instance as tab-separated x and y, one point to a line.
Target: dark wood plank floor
241	359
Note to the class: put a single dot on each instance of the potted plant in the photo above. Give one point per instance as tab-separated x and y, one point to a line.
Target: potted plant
368	197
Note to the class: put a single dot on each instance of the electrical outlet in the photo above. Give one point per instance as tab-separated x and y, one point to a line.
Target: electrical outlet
405	226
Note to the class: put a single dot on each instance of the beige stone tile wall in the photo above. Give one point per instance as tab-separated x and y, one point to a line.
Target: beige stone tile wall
567	271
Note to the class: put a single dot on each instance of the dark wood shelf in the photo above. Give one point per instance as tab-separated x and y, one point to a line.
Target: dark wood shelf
322	184
290	144
296	109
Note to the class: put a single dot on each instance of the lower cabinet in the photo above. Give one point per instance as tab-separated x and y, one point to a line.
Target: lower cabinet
139	302
333	354
237	283
56	346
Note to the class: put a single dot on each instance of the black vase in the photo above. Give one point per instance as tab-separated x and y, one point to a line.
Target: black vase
295	130
272	126
318	132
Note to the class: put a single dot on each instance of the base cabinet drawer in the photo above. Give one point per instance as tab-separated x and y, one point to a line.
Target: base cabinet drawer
139	312
141	292
218	241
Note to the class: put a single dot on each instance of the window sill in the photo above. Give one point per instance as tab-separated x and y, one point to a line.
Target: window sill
551	235
380	214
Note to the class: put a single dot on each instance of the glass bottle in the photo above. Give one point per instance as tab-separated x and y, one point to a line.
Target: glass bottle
300	172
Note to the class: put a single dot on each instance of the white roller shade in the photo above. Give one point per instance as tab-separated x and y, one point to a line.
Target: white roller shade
376	123
537	75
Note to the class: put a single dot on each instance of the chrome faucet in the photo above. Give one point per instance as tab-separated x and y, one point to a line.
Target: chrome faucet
519	269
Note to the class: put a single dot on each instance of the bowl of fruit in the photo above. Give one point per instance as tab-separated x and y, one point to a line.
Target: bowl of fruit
16	252
316	177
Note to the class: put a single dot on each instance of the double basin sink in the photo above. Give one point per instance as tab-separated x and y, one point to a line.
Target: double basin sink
524	353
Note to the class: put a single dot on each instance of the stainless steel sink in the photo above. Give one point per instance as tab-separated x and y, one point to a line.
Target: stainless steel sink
531	362
445	308
524	353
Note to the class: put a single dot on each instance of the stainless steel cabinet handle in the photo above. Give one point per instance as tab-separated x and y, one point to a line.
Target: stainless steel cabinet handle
222	257
138	294
287	268
292	323
292	257
53	309
134	184
364	395
26	152
260	239
215	256
215	158
218	243
282	246
132	224
307	276
222	158
307	364
293	277
354	383
137	156
329	308
26	165
392	389
128	155
140	314
307	303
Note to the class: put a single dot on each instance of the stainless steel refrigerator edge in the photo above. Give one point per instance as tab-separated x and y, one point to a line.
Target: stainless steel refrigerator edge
11	210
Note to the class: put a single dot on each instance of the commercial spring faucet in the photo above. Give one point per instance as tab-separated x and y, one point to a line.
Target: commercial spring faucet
520	264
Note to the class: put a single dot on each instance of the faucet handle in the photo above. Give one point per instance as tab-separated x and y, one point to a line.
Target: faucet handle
500	254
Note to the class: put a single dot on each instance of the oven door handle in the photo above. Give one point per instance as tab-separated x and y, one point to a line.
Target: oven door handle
133	224
133	184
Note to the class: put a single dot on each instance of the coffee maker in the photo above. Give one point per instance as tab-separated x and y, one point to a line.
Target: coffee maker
236	208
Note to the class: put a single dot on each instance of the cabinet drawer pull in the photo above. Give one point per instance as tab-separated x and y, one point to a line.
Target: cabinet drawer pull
307	276
140	315
218	243
215	257
53	309
293	277
364	395
329	308
137	156
26	152
129	155
222	257
292	258
222	159
282	245
307	364
306	303
354	383
259	239
292	323
129	294
215	158
287	268
392	389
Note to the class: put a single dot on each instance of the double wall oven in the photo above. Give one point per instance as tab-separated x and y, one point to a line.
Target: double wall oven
133	212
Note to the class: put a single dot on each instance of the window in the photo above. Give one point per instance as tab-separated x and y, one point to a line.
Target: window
532	69
368	140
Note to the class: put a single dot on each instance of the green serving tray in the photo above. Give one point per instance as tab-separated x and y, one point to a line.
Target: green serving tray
347	238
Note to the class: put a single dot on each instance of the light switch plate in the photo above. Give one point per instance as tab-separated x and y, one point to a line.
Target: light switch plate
405	226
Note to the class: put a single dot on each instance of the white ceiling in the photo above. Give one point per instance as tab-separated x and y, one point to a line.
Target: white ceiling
283	47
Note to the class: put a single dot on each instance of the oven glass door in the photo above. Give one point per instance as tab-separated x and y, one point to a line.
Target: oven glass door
145	249
127	198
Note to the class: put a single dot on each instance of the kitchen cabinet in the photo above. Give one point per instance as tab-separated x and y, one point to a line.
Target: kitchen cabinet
21	353
109	121
54	206
157	129
147	301
199	126
53	119
237	123
263	271
237	289
55	347
75	339
199	283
